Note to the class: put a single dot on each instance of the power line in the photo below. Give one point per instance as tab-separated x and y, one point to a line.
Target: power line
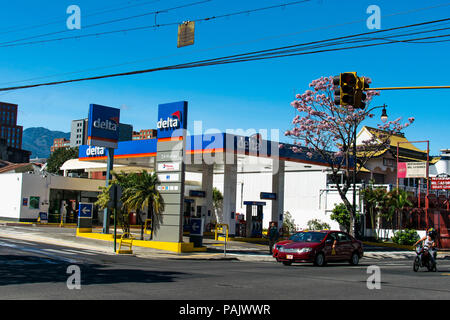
286	51
95	13
237	43
101	23
14	44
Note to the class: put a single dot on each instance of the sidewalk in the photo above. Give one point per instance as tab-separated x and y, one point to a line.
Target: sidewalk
235	250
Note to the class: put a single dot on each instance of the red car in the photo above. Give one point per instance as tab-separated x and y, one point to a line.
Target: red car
319	247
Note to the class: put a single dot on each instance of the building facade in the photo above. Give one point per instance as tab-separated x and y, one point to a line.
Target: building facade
10	132
59	143
144	134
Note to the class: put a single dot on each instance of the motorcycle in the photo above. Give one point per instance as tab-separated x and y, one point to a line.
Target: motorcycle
423	259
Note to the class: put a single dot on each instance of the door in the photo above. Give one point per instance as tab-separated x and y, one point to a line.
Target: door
331	254
344	246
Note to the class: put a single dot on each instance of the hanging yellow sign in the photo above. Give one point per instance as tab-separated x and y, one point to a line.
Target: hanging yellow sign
186	34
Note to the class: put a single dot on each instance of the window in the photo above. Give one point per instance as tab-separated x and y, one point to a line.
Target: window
343	237
388	162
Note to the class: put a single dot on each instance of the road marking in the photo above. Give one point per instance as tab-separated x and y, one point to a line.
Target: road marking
59	251
81	252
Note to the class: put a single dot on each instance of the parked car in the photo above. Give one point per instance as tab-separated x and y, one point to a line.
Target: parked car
279	244
319	247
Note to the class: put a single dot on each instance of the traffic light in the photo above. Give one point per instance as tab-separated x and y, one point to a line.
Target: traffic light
361	86
345	88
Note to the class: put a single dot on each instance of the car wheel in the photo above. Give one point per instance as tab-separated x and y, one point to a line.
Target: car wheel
287	263
354	260
319	260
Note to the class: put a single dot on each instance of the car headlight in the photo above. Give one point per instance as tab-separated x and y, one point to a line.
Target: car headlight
303	250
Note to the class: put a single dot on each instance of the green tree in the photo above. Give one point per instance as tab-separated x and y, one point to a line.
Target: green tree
397	201
141	194
288	222
103	201
59	156
341	215
374	200
138	193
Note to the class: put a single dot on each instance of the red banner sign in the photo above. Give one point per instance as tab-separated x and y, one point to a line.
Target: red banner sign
440	183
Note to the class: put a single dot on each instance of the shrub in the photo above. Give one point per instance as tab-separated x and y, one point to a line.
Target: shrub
406	237
341	215
316	224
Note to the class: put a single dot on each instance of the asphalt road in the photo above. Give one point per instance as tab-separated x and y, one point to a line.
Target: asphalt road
30	270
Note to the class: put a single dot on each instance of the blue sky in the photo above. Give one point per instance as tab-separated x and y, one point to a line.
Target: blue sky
244	95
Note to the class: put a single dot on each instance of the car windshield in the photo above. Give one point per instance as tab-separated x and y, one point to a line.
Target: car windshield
308	237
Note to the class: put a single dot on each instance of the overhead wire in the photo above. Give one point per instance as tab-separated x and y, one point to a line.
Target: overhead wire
5	43
415	10
272	53
15	43
95	13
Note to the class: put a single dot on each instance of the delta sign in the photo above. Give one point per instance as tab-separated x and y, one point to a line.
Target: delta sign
103	126
171	118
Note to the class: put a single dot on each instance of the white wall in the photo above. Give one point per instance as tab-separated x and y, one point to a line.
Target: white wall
301	195
15	187
303	198
34	185
10	195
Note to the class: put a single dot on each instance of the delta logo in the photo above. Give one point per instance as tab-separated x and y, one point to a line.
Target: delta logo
171	122
110	124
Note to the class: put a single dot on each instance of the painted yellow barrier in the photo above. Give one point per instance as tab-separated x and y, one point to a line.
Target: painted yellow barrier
219	229
147	226
126	240
177	247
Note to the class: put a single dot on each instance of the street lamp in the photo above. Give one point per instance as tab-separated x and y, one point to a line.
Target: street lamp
384	118
384	115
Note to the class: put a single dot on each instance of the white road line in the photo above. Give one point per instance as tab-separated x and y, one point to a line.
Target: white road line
58	251
81	252
23	242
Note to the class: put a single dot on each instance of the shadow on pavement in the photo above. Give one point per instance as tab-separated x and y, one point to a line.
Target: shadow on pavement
31	269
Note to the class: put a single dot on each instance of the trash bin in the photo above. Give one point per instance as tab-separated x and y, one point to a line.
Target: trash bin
196	232
196	240
132	219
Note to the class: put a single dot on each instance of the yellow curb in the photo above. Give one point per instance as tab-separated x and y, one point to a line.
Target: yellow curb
178	247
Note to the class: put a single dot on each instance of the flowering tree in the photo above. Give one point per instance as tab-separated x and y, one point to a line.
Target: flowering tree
323	129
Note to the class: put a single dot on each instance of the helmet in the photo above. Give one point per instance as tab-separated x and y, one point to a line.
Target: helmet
432	232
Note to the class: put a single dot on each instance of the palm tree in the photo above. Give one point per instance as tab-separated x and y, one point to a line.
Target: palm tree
103	199
142	194
398	200
374	199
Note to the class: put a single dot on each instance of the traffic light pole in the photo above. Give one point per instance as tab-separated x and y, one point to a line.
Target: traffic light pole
354	182
109	168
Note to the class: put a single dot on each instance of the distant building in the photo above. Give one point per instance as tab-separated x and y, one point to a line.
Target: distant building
79	132
11	135
12	154
9	167
9	130
144	134
60	143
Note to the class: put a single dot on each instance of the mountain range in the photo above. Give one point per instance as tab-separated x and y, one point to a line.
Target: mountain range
38	140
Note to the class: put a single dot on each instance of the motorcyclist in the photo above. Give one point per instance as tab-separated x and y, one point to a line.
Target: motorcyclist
429	242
